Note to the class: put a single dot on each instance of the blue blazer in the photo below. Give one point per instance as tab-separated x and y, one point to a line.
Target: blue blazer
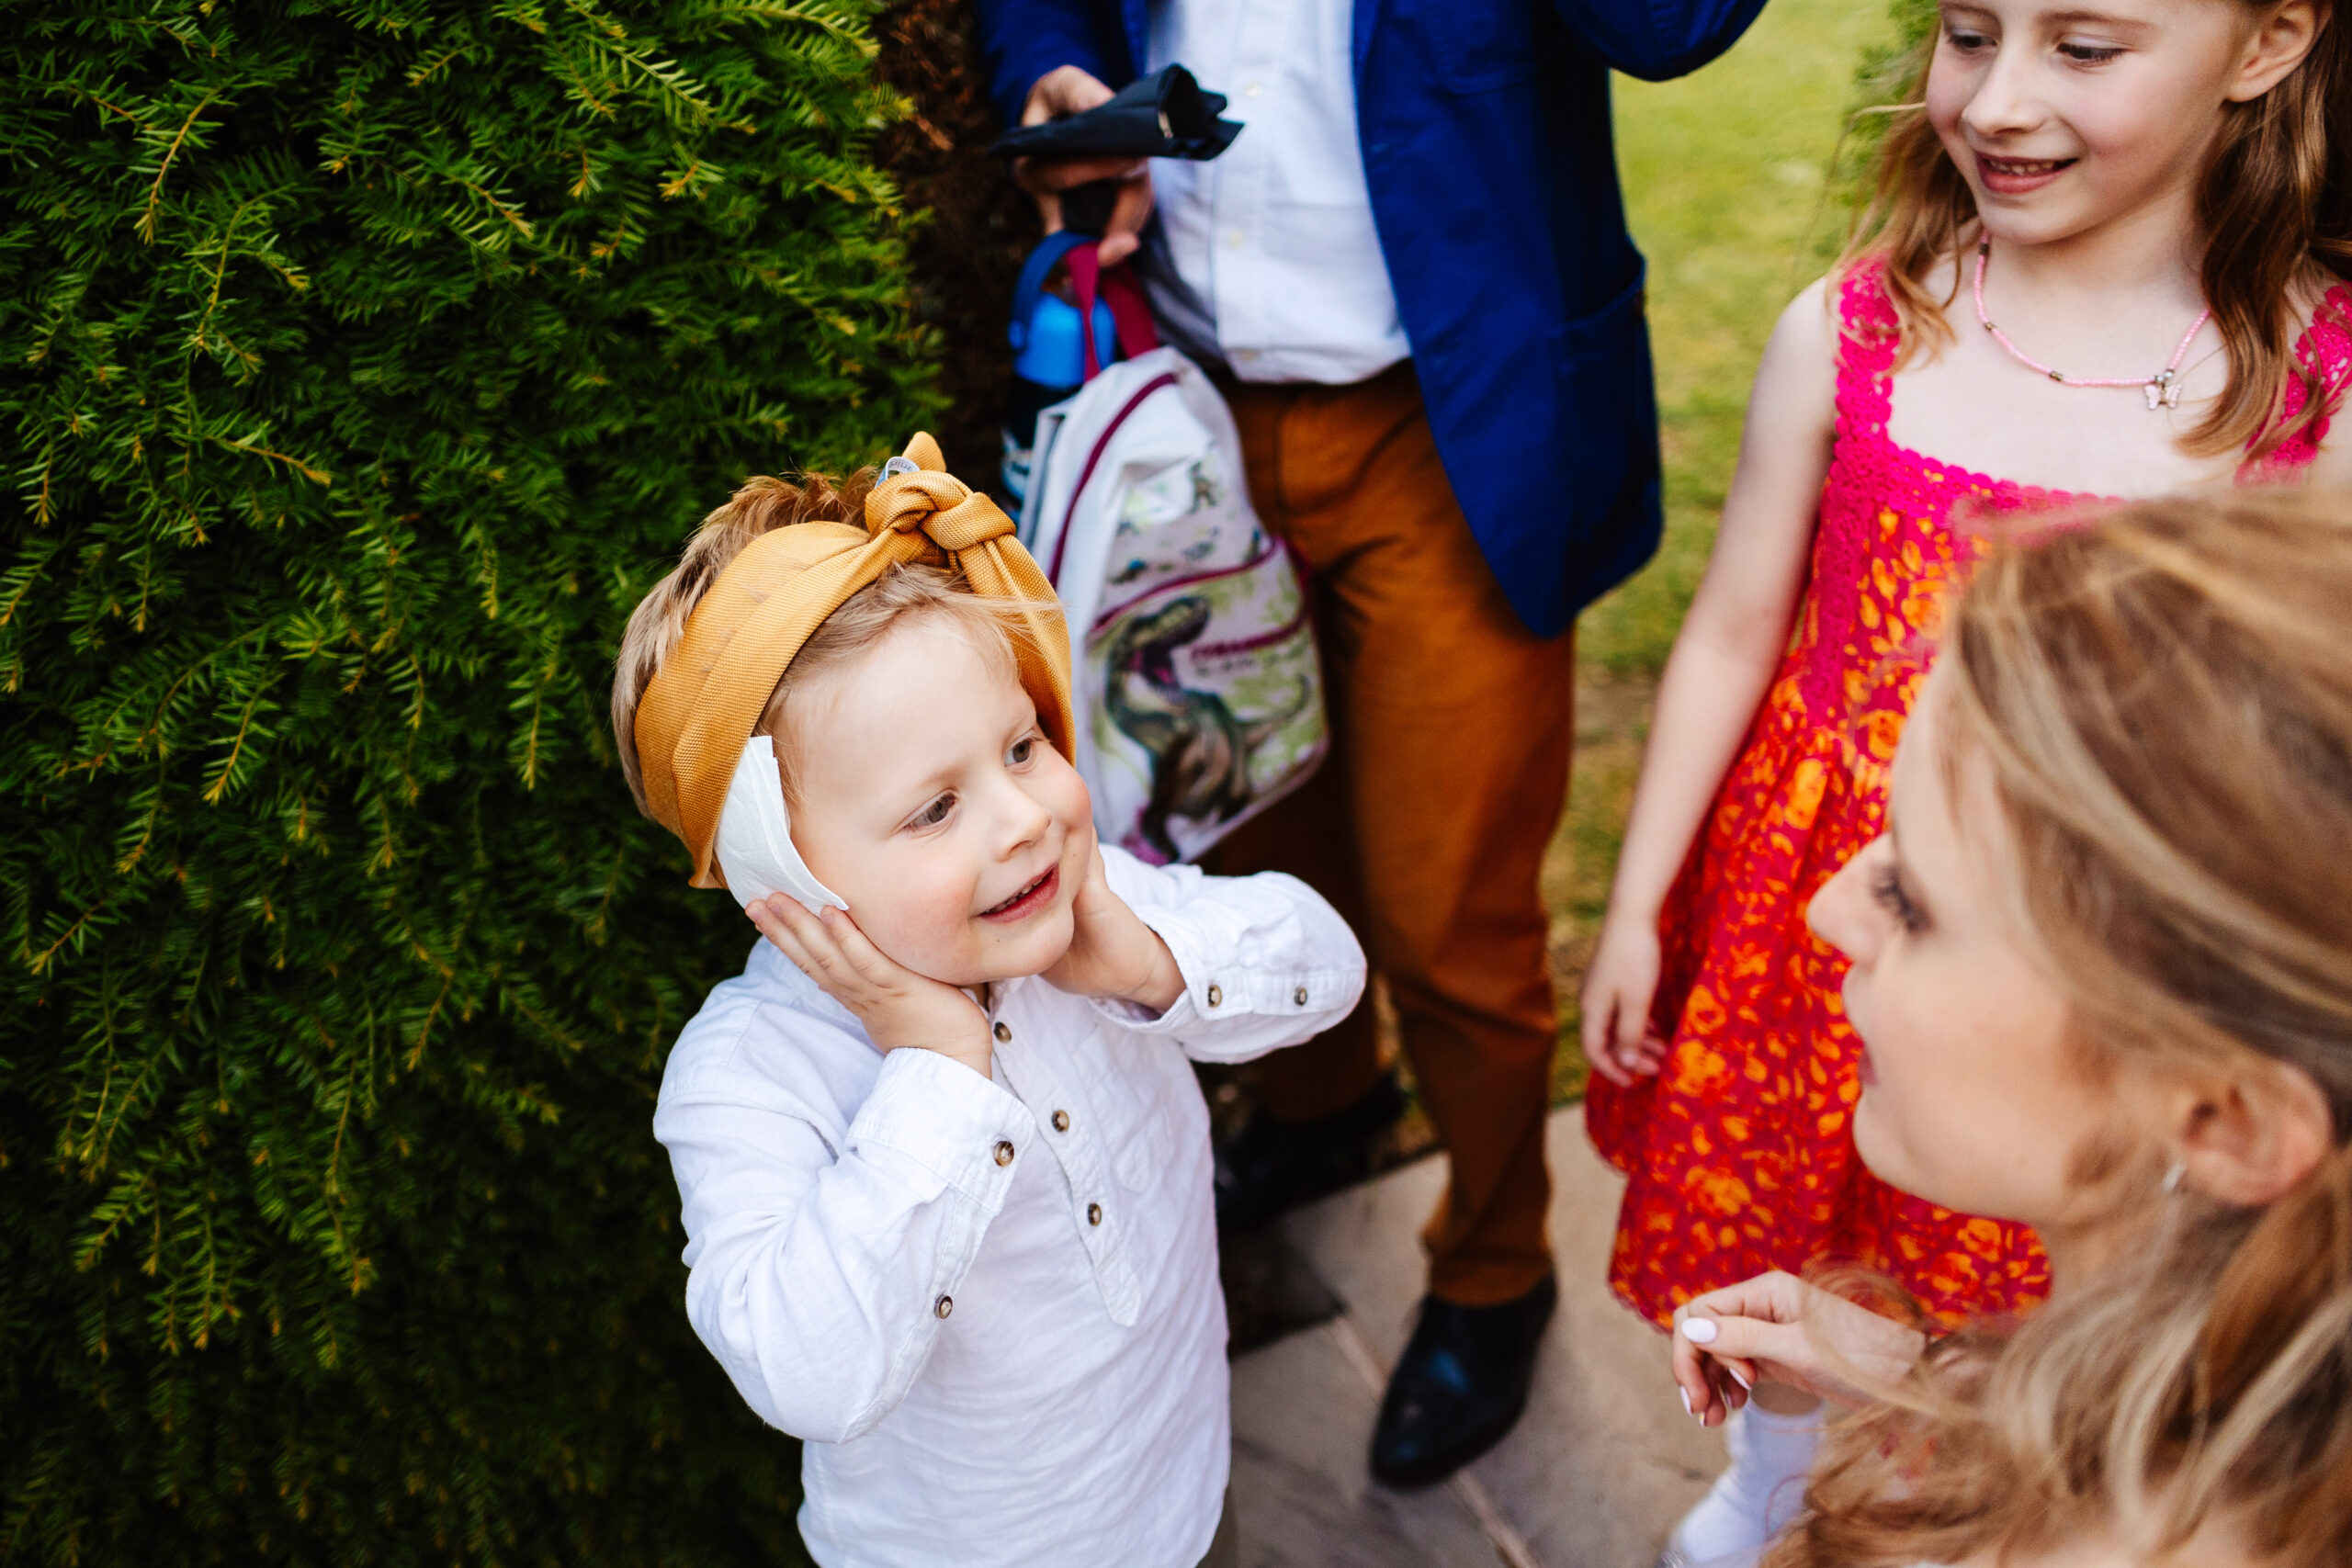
1486	138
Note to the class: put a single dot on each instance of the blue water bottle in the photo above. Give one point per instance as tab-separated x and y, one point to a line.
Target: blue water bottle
1048	355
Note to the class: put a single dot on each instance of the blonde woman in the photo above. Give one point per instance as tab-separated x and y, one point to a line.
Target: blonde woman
2102	966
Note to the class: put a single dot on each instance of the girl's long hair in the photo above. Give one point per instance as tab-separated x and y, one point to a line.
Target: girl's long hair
2275	207
2163	702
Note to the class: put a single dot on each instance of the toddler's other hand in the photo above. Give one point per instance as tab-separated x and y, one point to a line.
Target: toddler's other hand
1111	952
1776	1327
899	1008
1619	1041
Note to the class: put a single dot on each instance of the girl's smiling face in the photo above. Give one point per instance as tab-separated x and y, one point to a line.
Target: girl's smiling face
933	803
2063	117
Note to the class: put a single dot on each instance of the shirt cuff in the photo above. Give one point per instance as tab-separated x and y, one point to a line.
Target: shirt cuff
1217	988
942	1116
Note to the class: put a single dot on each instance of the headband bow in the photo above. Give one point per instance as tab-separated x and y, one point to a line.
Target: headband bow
696	717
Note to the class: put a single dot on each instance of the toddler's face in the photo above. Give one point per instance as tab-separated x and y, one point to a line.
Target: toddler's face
930	800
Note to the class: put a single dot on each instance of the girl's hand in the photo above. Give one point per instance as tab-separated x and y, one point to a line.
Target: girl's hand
1111	952
1619	1041
1779	1327
899	1008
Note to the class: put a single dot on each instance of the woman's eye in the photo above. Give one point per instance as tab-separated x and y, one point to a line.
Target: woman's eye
1886	886
2089	53
1965	40
931	816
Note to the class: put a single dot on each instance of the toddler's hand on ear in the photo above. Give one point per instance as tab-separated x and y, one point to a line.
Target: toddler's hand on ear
899	1008
1111	952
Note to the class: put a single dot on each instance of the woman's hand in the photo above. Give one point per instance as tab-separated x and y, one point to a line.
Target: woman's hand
1776	1327
1111	952
900	1009
1619	985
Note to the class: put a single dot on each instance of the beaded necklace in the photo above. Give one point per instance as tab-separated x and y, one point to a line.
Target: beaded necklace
2162	388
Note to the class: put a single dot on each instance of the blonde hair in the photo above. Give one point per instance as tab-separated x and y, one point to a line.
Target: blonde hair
2163	701
902	594
2274	208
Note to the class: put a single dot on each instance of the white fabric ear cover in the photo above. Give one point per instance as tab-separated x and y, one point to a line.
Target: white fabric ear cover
755	848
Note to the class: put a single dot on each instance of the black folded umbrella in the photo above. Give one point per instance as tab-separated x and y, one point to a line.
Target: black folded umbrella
1164	115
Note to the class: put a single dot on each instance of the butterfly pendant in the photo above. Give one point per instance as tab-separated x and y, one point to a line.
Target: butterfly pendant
2163	389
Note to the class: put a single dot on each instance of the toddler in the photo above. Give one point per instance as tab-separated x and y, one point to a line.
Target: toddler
944	1164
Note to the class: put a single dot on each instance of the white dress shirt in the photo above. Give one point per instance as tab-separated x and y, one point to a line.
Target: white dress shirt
1272	244
991	1305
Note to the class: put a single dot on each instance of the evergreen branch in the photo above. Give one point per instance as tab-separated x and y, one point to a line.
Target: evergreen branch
220	780
316	475
155	191
212	300
19	578
38	965
522	225
433	65
739	13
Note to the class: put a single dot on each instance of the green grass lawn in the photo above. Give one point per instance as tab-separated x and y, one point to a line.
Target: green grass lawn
1726	178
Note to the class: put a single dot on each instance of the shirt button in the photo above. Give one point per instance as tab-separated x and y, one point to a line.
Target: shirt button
1095	1213
1217	995
1004	1033
943	1305
1299	996
1061	1121
1252	90
1005	1154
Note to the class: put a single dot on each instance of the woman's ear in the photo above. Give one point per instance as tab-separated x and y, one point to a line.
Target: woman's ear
2280	41
2251	1138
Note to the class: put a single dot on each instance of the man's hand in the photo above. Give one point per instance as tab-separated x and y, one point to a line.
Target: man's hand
1068	91
1776	1327
900	1009
1112	953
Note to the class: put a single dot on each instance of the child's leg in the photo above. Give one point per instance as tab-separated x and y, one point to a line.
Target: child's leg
1772	1444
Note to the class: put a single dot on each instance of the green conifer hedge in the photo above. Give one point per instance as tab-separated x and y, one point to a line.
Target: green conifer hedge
360	362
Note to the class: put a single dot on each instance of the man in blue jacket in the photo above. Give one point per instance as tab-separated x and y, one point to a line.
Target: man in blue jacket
1412	276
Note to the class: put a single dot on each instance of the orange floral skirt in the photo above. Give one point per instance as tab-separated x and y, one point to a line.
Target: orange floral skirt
1740	1153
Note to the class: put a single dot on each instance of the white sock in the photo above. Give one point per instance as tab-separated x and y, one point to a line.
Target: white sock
1762	1490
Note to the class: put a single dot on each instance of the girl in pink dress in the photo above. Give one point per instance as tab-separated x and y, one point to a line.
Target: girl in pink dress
2104	261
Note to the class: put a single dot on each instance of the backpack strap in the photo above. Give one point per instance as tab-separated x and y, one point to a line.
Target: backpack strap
1130	312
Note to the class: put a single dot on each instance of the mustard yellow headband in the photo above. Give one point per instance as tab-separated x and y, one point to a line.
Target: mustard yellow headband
697	713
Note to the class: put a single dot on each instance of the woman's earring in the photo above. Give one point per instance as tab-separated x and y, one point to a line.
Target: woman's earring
2173	1173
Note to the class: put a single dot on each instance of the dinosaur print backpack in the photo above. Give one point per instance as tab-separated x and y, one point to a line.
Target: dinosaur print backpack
1199	695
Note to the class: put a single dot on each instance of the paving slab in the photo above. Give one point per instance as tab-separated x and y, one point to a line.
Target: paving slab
1593	1477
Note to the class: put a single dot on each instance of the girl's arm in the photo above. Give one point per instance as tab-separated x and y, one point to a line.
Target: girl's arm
1723	661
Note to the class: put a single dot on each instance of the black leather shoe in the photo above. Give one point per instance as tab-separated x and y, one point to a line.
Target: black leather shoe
1460	1385
1270	1165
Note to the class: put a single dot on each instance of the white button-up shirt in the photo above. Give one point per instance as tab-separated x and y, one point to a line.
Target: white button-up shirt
1274	239
991	1305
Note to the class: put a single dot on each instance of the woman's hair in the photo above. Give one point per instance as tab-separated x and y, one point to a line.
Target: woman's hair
903	594
2162	703
2275	206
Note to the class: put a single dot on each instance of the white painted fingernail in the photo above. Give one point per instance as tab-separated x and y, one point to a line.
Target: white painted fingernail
1737	1379
1698	1330
1686	1398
